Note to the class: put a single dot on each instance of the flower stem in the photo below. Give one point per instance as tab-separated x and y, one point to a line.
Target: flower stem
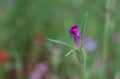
81	55
108	24
105	42
83	71
106	33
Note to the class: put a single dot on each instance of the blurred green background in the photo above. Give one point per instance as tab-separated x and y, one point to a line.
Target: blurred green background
26	24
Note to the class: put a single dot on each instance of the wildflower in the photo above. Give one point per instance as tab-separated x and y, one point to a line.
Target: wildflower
76	35
3	56
42	66
90	45
39	70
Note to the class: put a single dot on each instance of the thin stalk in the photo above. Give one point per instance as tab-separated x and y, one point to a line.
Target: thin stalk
83	71
108	24
106	32
83	64
106	36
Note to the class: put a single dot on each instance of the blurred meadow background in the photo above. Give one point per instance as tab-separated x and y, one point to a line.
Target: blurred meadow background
25	52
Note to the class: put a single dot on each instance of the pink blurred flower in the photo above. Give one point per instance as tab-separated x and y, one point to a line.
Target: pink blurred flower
42	66
3	55
116	37
39	70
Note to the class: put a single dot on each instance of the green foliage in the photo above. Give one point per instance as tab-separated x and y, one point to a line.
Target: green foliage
22	20
83	25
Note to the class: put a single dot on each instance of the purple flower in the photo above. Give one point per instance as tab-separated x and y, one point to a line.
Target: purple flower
89	45
39	70
76	35
42	66
35	75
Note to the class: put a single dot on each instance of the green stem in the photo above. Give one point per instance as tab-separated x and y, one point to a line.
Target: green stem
83	71
108	24
106	35
81	55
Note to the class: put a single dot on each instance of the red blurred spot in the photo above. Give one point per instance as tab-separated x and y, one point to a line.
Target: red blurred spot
3	56
38	39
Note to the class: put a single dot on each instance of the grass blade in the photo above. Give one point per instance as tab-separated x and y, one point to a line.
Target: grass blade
67	33
69	52
84	23
59	42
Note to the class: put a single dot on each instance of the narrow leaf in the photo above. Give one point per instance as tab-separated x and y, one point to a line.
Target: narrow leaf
84	23
69	52
59	42
81	55
67	33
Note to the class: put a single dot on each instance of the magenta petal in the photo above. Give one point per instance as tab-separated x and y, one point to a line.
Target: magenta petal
74	30
77	40
76	35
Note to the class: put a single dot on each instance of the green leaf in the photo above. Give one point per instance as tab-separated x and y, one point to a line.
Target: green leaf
67	33
59	42
84	23
71	51
81	56
66	27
